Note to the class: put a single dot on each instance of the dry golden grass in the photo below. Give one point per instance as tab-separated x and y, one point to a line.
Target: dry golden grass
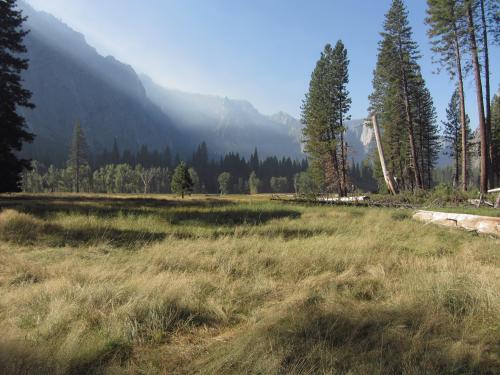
129	285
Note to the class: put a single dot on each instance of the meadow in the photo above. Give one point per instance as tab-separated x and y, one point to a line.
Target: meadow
98	284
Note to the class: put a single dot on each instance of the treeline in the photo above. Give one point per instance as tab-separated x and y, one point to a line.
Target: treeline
152	172
404	105
461	32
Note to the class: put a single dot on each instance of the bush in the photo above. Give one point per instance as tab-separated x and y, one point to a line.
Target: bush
444	193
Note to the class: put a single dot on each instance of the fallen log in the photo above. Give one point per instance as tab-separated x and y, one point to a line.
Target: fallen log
478	202
344	199
476	223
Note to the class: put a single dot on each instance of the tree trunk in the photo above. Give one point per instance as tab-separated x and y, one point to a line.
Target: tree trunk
429	163
411	136
463	117
336	172
391	185
483	182
491	152
343	164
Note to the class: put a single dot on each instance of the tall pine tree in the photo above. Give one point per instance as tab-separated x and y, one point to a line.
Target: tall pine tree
489	31
78	156
446	20
403	104
470	7
426	129
12	95
452	133
341	102
404	54
495	136
324	111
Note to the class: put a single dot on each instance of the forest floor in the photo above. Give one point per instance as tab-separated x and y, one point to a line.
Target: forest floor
240	285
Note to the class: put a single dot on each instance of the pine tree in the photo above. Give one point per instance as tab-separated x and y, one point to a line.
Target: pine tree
181	180
402	103
495	137
115	153
427	132
446	19
387	103
341	102
452	133
324	110
404	54
254	160
78	156
489	14
12	96
483	134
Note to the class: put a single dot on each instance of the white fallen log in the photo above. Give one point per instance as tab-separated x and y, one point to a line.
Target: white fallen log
476	223
344	199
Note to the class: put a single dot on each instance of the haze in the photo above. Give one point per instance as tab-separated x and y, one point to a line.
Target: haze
261	51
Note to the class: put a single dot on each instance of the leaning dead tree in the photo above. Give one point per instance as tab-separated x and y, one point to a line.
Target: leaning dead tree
389	180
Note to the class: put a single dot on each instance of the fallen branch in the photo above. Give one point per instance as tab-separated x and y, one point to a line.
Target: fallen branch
478	202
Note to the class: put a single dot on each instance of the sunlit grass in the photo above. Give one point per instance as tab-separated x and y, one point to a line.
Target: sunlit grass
240	286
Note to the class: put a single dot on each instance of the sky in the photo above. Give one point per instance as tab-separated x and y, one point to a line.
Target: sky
262	51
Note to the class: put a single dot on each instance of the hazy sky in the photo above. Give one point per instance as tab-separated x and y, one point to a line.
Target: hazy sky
259	50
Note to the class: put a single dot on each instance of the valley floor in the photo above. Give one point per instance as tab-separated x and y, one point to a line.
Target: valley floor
240	285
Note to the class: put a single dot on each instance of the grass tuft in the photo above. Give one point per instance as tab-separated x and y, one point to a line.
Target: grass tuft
19	227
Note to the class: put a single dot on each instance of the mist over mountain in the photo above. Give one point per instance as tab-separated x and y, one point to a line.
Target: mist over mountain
227	124
71	82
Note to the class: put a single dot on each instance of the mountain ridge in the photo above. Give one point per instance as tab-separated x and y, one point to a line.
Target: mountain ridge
72	82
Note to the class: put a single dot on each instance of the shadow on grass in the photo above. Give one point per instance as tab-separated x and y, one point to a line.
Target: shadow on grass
117	201
248	231
122	238
229	217
373	340
44	206
207	212
58	236
23	359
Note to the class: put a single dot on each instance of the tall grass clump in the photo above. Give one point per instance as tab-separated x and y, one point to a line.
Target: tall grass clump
19	227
